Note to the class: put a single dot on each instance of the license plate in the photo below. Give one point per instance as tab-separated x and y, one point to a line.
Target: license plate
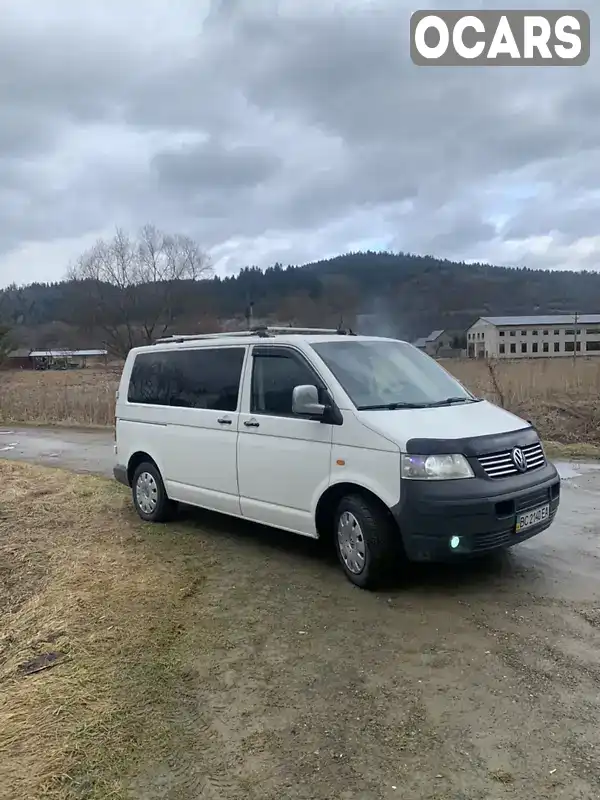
528	519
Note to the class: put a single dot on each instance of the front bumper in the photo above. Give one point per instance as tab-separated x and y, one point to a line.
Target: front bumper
480	511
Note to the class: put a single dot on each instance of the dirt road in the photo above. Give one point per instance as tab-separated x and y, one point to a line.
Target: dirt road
477	683
71	448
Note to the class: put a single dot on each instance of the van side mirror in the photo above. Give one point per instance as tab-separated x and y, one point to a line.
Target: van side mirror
305	401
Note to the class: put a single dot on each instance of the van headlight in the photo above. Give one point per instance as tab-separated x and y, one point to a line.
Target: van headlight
435	468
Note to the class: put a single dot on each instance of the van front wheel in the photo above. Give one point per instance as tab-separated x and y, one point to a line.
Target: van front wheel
149	495
365	540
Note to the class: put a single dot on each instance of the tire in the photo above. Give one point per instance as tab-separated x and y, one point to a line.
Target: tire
149	495
363	526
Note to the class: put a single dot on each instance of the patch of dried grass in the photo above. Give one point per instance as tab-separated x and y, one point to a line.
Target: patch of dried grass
79	579
561	397
81	397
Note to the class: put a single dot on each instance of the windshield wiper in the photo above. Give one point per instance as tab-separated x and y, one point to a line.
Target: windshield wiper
393	406
450	401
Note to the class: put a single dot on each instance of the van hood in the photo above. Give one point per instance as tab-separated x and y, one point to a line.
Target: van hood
460	421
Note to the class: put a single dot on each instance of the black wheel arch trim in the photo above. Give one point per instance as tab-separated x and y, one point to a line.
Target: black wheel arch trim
120	474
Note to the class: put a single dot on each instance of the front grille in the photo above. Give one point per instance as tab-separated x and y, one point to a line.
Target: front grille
501	465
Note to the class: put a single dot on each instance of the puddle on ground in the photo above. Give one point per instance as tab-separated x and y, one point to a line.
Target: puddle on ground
574	469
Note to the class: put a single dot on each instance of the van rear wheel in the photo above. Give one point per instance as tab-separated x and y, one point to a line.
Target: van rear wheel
149	495
365	541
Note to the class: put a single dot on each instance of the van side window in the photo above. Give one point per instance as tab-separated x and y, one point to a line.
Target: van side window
200	378
273	380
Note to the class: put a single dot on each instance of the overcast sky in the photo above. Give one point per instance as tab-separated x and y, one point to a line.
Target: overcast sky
285	130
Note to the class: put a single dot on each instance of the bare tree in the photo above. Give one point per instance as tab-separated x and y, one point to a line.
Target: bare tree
133	288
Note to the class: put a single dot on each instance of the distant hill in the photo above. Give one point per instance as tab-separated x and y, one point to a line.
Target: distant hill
407	295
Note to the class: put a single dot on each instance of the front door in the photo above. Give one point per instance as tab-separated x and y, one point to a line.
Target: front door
284	461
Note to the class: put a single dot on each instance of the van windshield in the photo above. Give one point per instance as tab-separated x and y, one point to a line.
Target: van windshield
390	374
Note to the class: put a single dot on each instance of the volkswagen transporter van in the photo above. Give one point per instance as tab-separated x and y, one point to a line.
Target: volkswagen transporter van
363	439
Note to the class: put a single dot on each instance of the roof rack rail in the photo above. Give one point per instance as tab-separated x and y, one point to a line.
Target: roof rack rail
262	331
193	336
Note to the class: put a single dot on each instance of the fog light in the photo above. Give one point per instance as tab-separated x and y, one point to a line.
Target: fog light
454	542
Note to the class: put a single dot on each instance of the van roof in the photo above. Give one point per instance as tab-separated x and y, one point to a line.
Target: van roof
260	336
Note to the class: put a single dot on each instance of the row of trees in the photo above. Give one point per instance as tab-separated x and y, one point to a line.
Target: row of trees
132	289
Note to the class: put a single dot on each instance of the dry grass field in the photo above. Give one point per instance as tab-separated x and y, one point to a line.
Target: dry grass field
560	397
78	397
70	563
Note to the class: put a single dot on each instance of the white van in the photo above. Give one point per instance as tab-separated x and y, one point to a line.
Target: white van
326	433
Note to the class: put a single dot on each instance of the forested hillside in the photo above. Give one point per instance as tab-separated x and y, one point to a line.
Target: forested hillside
409	295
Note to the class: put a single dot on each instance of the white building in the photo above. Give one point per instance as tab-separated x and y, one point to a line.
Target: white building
534	337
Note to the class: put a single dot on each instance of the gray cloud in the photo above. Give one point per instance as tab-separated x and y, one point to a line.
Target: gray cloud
213	167
285	130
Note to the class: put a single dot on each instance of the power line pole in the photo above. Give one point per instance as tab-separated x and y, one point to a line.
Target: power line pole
575	338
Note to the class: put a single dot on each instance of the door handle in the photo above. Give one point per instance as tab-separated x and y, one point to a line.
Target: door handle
224	421
251	423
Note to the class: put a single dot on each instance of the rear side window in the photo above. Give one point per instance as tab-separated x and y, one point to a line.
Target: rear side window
199	378
274	378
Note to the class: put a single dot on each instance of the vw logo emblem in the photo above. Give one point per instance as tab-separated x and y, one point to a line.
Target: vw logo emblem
519	460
